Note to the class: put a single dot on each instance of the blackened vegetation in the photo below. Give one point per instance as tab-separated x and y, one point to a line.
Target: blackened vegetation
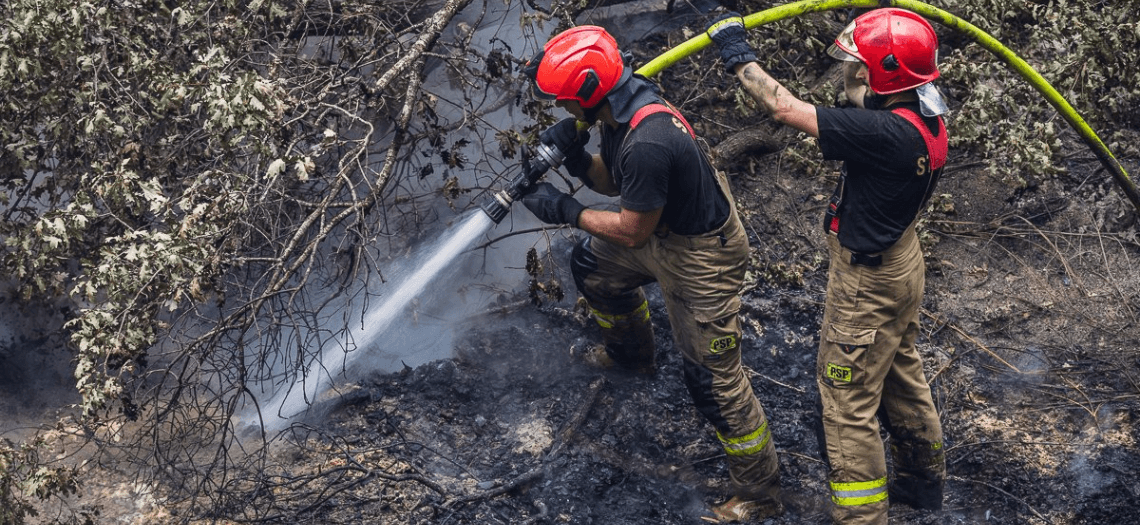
516	429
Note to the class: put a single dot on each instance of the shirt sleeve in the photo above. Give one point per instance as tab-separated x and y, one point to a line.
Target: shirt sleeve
859	135
646	166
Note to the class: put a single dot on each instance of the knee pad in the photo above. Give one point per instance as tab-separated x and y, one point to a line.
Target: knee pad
583	262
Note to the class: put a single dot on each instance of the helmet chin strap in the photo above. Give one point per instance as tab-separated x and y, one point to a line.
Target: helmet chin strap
591	114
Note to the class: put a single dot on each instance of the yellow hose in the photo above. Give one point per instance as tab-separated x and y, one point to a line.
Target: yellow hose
948	20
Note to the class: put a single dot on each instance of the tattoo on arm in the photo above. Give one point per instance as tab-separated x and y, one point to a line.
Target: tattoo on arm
763	88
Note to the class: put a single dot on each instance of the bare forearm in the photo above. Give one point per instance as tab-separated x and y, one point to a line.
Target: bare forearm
625	228
600	176
776	100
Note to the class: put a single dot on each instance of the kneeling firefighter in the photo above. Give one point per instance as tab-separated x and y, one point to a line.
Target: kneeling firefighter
677	226
893	146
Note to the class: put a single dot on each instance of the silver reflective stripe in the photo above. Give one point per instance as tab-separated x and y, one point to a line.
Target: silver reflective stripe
859	492
748	444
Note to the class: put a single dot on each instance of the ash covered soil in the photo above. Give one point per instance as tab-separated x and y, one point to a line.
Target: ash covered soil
1029	341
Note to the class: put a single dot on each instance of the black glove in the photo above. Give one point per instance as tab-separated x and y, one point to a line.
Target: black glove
728	33
552	206
570	141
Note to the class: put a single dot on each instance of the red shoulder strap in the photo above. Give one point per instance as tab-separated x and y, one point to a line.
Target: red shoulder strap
650	109
936	146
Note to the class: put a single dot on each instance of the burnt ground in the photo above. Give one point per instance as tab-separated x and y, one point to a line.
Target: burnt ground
1028	337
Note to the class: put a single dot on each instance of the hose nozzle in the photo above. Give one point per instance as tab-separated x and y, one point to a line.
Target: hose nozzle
546	156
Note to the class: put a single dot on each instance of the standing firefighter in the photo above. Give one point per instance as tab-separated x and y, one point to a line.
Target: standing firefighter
893	147
677	226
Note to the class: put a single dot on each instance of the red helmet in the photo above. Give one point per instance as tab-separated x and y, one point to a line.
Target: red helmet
581	64
899	48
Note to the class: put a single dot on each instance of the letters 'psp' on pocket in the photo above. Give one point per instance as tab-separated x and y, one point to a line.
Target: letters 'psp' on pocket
843	361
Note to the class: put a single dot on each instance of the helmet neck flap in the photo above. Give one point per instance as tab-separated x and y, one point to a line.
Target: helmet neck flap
630	94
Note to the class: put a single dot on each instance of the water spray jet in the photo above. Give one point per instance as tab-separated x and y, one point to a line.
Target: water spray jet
319	375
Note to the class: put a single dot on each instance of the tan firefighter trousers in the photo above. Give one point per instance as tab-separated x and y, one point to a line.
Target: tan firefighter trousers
868	365
700	278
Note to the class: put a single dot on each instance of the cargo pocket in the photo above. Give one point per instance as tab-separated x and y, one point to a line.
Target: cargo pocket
844	358
707	313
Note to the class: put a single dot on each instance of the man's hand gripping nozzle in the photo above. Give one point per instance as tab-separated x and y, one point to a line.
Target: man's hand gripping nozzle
546	156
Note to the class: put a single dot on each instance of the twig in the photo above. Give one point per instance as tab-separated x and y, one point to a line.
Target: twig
967	337
538	472
511	234
1123	370
1060	256
801	456
1011	442
754	373
1010	496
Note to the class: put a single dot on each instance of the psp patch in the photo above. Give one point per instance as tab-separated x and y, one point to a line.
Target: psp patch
839	373
722	344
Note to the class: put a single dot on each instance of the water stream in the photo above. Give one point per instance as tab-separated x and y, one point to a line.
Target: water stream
319	374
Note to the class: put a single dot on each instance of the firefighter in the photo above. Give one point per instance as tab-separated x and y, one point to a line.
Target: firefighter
677	226
893	146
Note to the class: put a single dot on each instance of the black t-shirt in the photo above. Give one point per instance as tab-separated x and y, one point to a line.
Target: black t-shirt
888	176
659	165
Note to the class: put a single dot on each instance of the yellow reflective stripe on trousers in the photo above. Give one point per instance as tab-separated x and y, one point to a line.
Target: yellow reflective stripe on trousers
859	492
608	321
748	444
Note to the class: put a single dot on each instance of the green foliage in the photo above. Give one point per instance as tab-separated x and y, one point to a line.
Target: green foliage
1079	46
128	140
23	474
110	197
940	205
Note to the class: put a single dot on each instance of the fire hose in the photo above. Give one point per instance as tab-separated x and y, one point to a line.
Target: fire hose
549	157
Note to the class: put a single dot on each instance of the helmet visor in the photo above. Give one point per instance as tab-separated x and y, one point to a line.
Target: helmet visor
530	69
844	46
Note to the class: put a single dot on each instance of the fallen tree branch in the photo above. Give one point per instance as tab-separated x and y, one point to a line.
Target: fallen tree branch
576	420
748	142
434	27
964	335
